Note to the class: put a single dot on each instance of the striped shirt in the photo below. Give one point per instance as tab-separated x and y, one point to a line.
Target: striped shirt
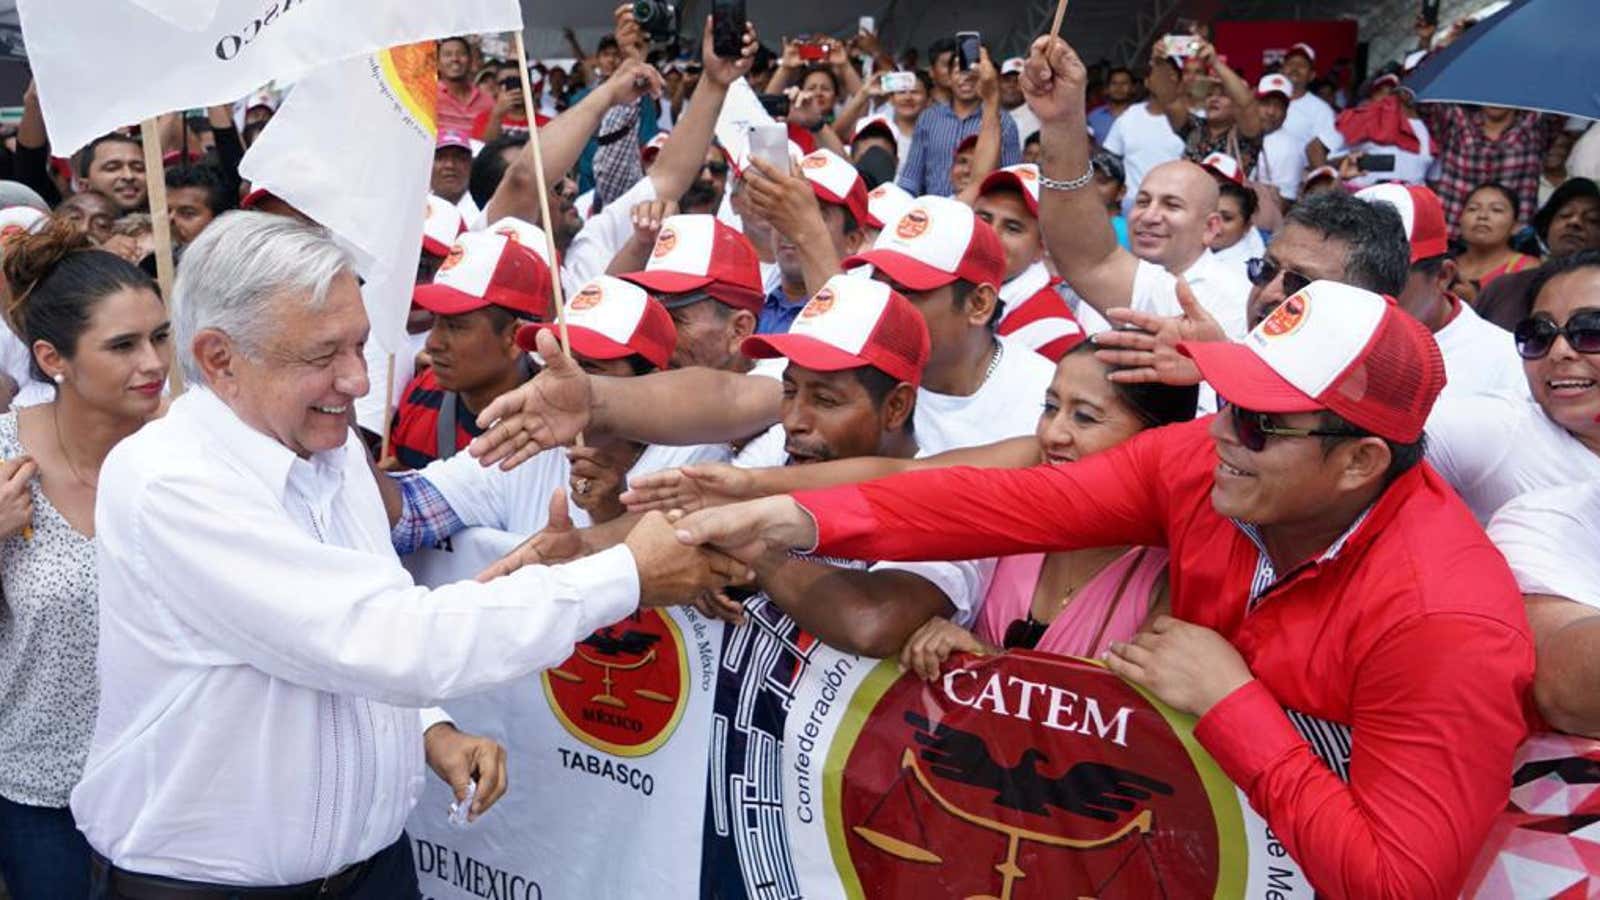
933	148
414	436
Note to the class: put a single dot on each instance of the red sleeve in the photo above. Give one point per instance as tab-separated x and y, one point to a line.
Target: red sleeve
1059	347
1112	498
480	125
1436	722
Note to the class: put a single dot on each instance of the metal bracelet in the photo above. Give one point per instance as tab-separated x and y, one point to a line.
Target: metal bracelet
1076	184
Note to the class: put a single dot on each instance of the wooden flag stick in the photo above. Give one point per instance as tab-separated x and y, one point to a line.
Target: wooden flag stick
544	194
1061	13
388	411
155	176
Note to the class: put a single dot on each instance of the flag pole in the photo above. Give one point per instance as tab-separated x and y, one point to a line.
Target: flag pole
544	193
388	410
156	186
1061	13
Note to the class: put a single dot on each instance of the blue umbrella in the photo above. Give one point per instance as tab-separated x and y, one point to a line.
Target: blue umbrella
1534	54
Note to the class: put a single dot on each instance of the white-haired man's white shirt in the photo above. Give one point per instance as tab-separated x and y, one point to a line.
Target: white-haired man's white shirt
263	655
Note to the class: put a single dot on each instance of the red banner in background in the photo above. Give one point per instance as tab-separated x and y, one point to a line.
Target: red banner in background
1253	47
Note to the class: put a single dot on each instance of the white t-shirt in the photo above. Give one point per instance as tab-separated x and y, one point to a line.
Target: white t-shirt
603	236
1249	247
1282	162
1493	448
1310	117
1007	405
1027	123
1144	140
1549	538
1223	292
16	362
1480	357
518	501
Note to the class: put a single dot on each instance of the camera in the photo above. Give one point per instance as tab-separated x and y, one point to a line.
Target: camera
658	19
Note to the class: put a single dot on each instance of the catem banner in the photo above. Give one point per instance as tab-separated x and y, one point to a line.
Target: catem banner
671	756
179	54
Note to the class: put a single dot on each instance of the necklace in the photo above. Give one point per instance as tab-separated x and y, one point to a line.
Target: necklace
994	363
55	416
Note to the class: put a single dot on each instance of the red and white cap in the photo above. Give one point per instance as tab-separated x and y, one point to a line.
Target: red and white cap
262	98
887	201
653	148
1275	84
1422	213
852	322
700	253
442	223
1023	177
1223	168
484	269
612	319
880	124
1331	347
970	142
1387	80
525	233
453	139
934	243
1012	66
835	181
15	220
1320	172
1304	49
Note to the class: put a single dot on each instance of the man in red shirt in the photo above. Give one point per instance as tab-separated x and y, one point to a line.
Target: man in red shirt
459	100
1354	647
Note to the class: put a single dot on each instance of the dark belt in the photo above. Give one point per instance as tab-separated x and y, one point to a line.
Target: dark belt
125	885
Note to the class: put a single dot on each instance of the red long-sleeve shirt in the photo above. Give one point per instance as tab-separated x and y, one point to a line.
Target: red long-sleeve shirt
1412	635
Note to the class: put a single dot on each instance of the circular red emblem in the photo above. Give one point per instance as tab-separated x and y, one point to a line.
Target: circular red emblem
912	224
1025	775
1287	318
819	304
452	258
624	688
665	242
588	298
814	162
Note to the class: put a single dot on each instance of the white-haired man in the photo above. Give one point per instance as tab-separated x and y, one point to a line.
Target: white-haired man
263	655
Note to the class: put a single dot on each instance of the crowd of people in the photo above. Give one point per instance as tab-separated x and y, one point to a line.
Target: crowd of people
1288	412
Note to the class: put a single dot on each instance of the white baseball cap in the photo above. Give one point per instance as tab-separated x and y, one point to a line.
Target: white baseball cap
887	201
1223	168
935	242
442	222
483	269
1275	84
835	181
1421	213
851	323
1012	66
525	233
611	319
16	220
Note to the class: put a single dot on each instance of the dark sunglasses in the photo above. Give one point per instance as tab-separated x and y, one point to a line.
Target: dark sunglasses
1253	428
1262	271
1024	634
716	168
1535	335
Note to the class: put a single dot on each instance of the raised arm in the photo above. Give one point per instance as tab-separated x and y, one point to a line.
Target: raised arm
33	148
684	153
1077	230
787	202
1246	114
844	125
986	155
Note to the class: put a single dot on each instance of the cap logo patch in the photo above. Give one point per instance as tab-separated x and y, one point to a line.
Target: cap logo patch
912	224
452	258
819	305
588	298
1287	318
1027	174
665	242
814	162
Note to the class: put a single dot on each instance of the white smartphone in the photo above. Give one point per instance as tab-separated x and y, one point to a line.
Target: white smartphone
1182	46
895	82
868	25
770	144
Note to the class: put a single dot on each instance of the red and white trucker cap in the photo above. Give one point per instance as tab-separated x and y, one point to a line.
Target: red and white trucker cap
879	124
1023	177
1304	49
934	243
612	319
653	149
835	181
1335	347
525	233
1422	213
484	269
442	223
1223	168
15	220
850	323
1275	84
887	201
699	253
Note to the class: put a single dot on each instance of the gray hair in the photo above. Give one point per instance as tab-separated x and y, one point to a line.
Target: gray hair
231	276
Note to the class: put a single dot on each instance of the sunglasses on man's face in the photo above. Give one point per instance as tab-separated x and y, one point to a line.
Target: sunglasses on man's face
1536	335
1261	273
718	169
1253	428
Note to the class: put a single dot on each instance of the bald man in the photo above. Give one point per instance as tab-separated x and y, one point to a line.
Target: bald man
1173	222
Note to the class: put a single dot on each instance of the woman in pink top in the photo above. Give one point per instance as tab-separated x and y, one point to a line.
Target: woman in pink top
1072	603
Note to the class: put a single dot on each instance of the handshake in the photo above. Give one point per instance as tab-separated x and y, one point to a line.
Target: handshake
671	573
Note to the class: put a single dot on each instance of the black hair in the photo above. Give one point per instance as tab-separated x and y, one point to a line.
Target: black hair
501	318
1570	190
56	278
1169	62
1246	198
638	365
1561	265
878	384
1380	251
700	197
1430	267
1124	70
488	167
851	226
1154	404
942	45
1402	457
219	197
1032	139
464	42
608	42
1508	193
86	155
961	289
924	79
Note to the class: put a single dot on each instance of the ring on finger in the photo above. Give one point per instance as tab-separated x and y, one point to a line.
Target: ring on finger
582	486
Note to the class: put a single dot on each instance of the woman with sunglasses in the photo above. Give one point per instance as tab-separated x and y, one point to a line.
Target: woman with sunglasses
1493	448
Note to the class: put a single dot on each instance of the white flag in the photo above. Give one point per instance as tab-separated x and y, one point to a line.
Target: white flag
104	64
352	148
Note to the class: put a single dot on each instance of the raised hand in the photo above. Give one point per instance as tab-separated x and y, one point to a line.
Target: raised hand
988	78
548	411
784	200
558	542
632	80
1149	349
1053	81
597	478
648	218
749	529
726	71
690	488
670	576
